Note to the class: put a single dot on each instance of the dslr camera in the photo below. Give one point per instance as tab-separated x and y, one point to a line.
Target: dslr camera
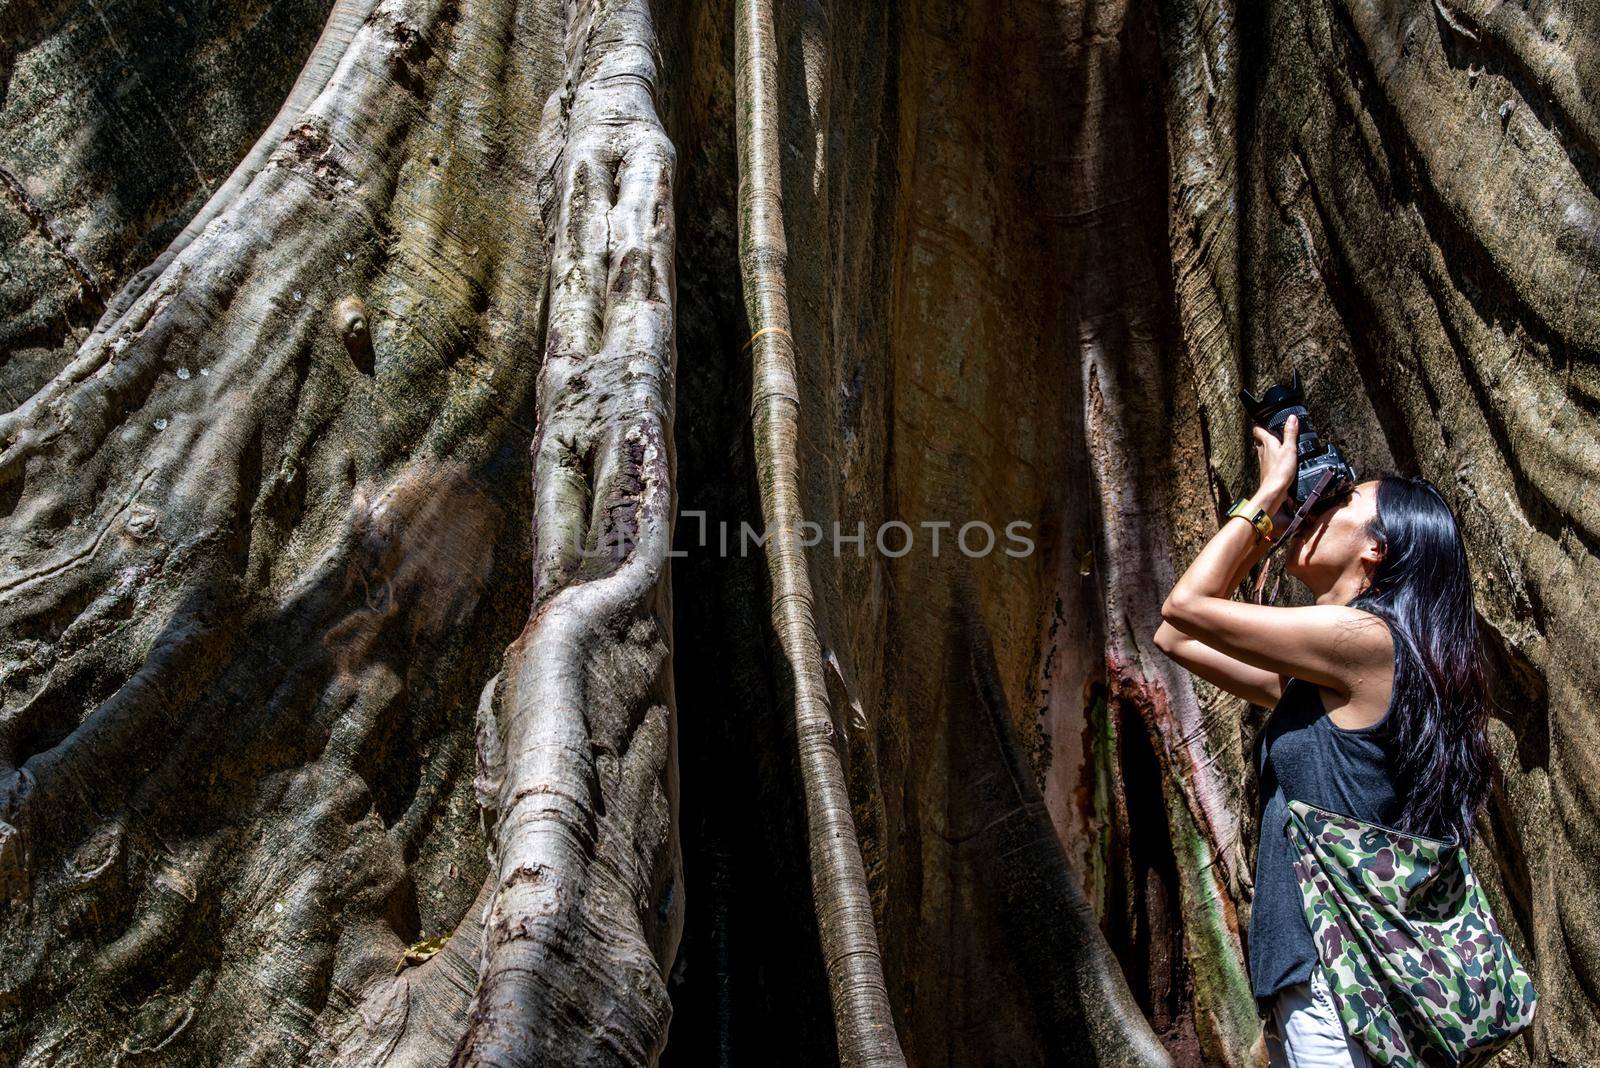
1324	475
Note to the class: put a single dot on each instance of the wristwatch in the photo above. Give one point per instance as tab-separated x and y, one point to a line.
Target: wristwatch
1260	520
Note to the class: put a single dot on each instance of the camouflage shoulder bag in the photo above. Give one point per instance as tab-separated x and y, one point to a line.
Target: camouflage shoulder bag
1417	966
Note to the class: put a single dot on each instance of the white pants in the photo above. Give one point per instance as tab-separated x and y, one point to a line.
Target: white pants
1304	1030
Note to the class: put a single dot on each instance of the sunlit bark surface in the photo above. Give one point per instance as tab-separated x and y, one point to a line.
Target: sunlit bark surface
356	359
270	530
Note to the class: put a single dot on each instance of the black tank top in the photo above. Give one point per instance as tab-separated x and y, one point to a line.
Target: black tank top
1300	754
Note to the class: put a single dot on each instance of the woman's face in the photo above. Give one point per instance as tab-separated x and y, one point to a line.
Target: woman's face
1331	540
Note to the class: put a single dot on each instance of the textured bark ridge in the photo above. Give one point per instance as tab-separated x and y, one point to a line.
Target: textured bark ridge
340	460
267	535
578	752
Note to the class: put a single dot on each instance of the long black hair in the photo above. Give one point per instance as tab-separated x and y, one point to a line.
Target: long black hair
1422	587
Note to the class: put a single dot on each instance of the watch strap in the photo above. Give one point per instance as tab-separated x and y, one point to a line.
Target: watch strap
1258	517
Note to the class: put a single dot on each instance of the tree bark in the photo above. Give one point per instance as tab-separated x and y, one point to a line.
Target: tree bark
587	910
838	876
340	658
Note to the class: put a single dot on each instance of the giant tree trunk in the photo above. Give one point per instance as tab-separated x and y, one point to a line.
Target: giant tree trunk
359	356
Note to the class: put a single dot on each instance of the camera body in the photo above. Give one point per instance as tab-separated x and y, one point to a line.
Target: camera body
1318	460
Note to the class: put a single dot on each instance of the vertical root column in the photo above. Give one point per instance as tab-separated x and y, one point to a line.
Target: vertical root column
587	906
850	949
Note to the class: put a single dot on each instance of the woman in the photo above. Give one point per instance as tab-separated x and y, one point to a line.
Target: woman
1378	696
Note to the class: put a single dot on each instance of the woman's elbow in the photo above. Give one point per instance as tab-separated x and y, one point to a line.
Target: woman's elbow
1173	609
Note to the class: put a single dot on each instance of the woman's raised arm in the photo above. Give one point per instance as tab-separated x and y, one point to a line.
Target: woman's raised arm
1329	644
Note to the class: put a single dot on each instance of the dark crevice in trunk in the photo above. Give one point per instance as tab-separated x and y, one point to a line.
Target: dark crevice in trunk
1147	932
1254	28
749	985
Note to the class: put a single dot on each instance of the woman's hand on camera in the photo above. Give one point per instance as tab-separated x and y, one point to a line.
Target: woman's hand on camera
1279	460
